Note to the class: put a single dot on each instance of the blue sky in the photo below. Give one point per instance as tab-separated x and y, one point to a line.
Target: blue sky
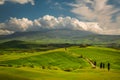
102	16
39	9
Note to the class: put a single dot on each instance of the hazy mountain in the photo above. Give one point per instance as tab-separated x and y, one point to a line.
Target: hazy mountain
62	36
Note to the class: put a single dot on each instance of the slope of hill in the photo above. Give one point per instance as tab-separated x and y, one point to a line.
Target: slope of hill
18	46
61	65
50	60
62	36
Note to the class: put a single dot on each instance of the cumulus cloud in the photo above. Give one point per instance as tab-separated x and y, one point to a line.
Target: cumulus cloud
98	11
52	22
48	22
17	1
2	2
5	32
15	24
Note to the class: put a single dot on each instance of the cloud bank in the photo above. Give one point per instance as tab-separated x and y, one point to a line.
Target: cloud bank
99	11
5	32
47	22
17	1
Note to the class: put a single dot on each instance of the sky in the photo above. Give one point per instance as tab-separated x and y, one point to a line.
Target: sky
98	16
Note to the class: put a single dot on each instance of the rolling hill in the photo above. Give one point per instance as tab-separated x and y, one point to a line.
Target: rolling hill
59	64
61	36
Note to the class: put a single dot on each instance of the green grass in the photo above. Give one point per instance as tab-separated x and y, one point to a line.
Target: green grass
28	66
39	74
15	55
57	58
99	54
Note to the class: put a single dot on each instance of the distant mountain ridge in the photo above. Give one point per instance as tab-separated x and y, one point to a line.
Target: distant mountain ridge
62	36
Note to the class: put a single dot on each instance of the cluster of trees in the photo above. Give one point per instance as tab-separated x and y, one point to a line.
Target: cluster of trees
102	65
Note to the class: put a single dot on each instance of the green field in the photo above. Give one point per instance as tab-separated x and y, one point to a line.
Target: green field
61	64
99	55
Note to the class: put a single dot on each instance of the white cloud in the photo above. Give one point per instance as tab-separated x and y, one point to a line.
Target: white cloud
5	32
15	24
48	22
17	1
98	11
2	2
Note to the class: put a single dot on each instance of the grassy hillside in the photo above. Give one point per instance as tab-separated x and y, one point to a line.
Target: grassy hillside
99	54
61	64
65	59
58	59
17	46
62	36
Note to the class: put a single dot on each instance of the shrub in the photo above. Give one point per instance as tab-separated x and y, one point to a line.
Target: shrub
4	65
10	65
68	70
32	66
24	65
43	67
